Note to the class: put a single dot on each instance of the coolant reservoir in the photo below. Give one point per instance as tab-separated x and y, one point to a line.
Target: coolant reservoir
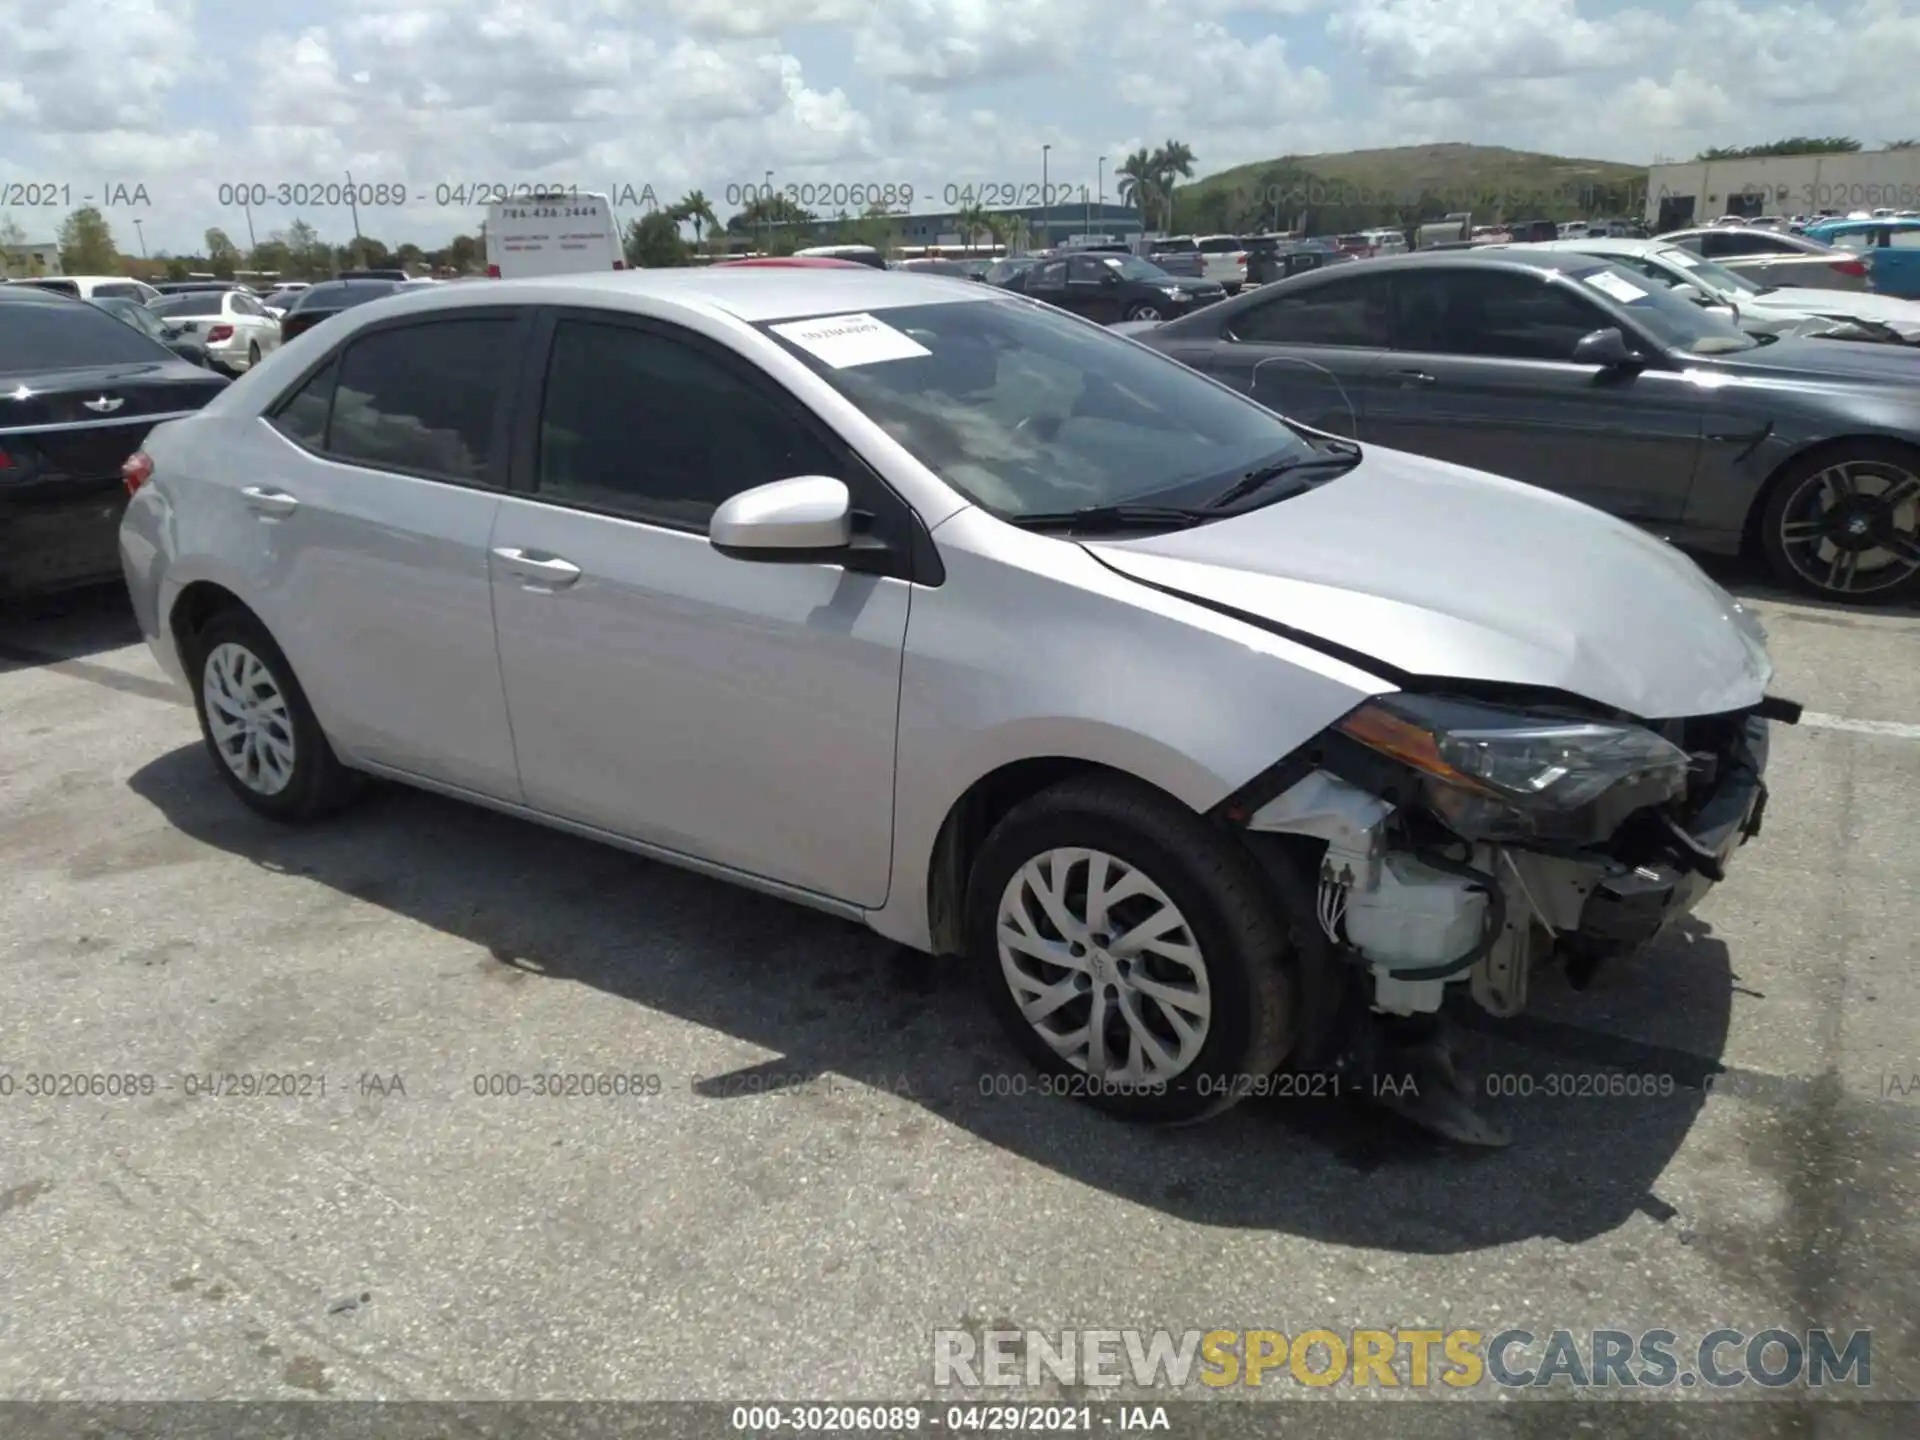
1416	916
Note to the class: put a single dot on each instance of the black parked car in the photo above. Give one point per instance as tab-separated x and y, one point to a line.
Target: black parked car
330	297
176	338
1271	258
1568	373
1010	273
955	269
1109	288
79	390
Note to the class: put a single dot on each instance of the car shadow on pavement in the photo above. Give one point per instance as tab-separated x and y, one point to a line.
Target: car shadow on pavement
67	626
832	998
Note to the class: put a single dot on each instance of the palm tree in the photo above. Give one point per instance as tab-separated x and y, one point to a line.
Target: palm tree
1139	184
970	221
1172	161
697	209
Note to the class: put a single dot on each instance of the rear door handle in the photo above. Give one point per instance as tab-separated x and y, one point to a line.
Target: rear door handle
270	502
1415	377
542	569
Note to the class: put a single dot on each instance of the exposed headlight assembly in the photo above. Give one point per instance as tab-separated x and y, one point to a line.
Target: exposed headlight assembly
1506	776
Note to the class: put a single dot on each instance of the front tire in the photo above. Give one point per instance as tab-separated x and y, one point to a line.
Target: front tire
1131	951
1141	310
258	725
1845	524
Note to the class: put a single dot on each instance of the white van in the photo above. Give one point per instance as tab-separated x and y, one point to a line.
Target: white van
562	235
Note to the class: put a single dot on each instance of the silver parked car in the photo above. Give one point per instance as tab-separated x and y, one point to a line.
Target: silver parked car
1758	309
940	609
1772	257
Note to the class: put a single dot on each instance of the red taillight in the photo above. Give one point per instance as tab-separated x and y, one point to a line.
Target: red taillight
619	264
493	272
1850	267
136	470
6	461
218	333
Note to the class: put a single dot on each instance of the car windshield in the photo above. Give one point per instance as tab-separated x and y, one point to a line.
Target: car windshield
194	302
134	313
1027	410
1710	272
65	336
1676	323
1134	268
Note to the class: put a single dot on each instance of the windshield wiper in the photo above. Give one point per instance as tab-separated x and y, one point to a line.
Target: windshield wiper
1344	457
1112	517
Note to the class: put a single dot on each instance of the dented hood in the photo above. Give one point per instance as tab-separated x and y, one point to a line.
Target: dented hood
1441	572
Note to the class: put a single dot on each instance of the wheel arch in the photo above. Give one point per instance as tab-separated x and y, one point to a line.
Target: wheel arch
197	603
971	818
1750	533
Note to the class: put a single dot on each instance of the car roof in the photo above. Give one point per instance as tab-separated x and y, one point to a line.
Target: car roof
19	294
1605	245
1496	257
745	293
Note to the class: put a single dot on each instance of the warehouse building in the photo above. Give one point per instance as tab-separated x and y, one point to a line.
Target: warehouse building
1699	192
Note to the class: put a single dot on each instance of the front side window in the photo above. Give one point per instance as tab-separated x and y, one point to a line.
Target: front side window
1492	313
1026	410
1342	312
422	398
644	425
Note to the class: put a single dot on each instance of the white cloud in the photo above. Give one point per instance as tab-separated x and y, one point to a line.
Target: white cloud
683	94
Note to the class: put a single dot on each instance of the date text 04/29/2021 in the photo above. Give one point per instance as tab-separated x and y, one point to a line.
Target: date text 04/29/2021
446	195
914	1419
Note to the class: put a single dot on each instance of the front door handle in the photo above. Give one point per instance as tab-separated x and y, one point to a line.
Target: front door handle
540	568
270	502
1410	378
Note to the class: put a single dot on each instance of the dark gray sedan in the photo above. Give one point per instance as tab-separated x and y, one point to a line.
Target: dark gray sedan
1567	373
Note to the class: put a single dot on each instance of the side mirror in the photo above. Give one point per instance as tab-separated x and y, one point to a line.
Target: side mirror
805	520
1109	278
1606	348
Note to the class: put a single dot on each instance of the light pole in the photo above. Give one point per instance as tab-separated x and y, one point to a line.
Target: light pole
1045	196
143	239
1102	200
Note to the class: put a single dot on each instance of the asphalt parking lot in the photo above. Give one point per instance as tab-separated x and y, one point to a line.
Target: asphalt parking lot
812	1181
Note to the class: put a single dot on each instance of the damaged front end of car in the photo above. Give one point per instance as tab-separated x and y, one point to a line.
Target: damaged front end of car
1470	839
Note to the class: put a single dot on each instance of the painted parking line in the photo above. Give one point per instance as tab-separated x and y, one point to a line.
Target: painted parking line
1894	728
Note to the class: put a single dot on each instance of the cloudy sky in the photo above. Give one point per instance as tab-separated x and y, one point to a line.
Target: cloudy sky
181	96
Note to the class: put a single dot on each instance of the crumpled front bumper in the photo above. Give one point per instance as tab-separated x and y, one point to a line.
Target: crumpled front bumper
1625	911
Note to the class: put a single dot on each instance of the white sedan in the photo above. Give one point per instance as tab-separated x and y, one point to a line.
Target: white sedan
236	328
1775	309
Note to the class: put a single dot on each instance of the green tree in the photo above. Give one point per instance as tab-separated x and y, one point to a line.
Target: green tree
1139	185
222	254
1908	144
972	221
653	242
271	256
1171	163
86	244
1793	145
178	269
465	254
697	211
310	257
409	255
10	231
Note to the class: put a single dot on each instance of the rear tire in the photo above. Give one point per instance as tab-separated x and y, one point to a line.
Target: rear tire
1172	1023
1845	524
258	726
253	354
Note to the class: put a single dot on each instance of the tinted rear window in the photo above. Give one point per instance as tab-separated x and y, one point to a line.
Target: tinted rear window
198	302
59	287
53	336
339	296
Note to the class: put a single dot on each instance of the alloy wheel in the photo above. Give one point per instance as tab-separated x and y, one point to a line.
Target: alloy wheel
248	717
1104	966
1146	312
1854	528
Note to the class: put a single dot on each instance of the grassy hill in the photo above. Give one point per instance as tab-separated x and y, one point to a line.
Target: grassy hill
1406	184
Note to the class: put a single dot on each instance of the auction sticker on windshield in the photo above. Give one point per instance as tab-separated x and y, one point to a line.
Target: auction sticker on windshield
847	340
1607	283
